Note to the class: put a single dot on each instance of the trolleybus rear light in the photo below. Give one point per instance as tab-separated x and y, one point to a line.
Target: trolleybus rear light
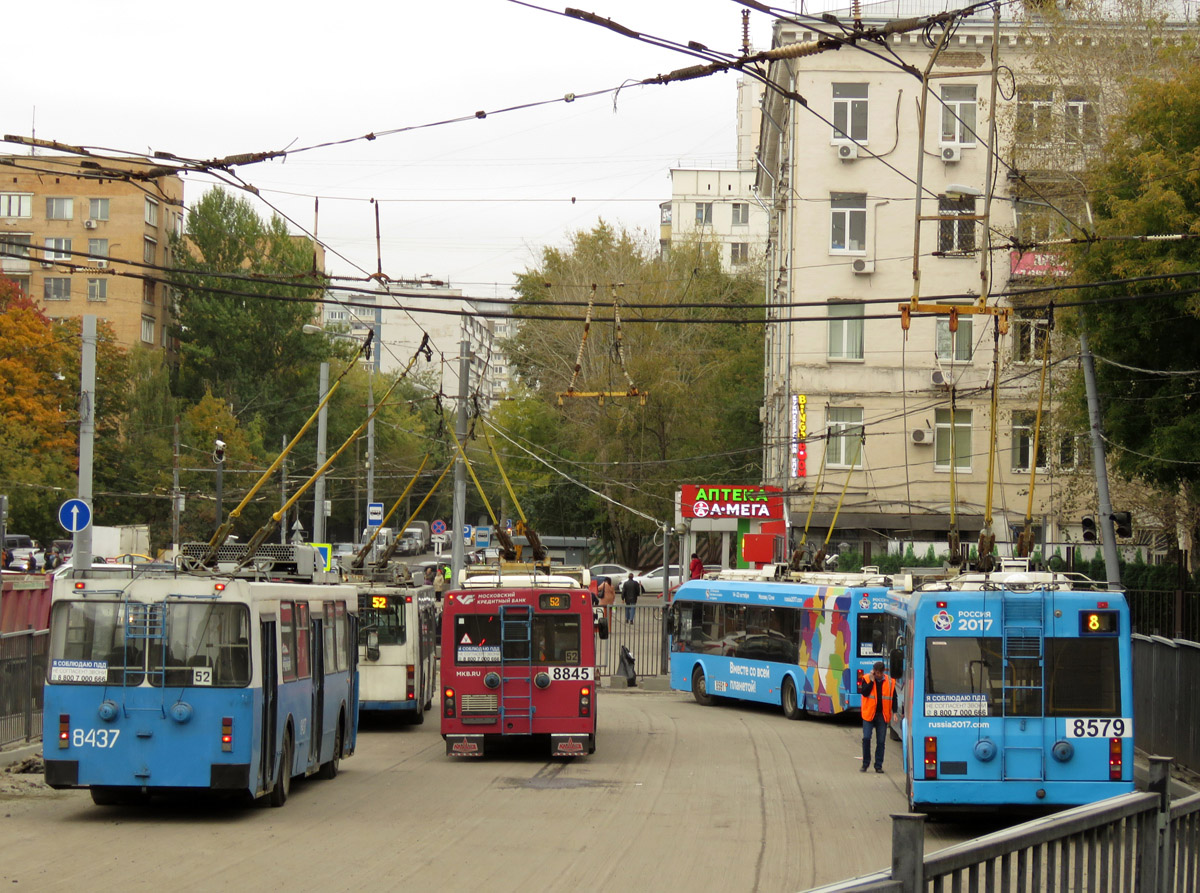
411	677
448	709
218	587
80	585
1101	604
408	599
1114	759
64	729
585	701
227	734
930	757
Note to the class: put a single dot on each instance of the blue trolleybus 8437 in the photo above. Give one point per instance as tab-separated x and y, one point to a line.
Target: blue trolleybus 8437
801	642
199	682
1017	692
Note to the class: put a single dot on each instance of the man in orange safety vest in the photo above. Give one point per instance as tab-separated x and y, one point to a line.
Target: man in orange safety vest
878	702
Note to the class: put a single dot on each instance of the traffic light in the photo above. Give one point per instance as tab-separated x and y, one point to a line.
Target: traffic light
1089	529
1123	521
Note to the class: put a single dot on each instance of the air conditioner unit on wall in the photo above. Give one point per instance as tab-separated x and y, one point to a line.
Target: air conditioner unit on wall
89	224
951	154
921	435
940	379
863	266
847	151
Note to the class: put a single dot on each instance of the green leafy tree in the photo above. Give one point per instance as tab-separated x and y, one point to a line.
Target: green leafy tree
242	339
678	343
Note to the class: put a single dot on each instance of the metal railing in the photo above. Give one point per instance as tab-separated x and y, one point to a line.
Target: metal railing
643	637
1135	842
1166	698
1173	613
22	674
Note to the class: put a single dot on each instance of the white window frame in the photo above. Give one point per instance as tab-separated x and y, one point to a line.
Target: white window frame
1028	334
954	347
1082	118
60	207
57	249
741	213
98	209
849	211
704	213
846	332
843	437
956	238
739	254
15	252
98	249
51	293
1023	421
149	250
151	213
97	289
20	202
851	113
959	114
961	440
148	321
1035	114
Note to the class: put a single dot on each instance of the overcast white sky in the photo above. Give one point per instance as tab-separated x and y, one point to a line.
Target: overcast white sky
471	202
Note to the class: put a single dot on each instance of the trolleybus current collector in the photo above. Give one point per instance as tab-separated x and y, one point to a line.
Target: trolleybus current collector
190	682
519	661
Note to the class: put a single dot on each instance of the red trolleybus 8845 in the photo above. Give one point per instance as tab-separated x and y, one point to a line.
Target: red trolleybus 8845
518	662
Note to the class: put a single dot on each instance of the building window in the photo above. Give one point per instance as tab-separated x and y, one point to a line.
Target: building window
14	251
57	288
1082	122
151	212
58	249
741	213
954	347
148	329
958	115
843	437
97	289
149	250
850	112
961	440
956	237
1023	421
22	282
60	208
739	253
147	292
1029	333
1068	451
845	331
664	214
98	208
16	204
704	213
1035	106
98	249
848	231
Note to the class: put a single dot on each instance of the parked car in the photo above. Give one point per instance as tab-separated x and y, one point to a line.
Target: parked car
21	546
653	581
618	572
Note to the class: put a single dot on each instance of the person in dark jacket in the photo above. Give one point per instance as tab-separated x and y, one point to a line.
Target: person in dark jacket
878	703
630	590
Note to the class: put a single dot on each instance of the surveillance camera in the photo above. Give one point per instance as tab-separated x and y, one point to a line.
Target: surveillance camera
220	444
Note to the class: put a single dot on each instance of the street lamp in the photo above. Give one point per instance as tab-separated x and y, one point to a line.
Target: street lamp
218	457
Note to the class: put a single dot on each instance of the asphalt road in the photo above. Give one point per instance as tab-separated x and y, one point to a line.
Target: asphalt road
677	797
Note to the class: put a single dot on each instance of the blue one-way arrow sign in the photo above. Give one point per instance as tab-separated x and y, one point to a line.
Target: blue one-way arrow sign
74	515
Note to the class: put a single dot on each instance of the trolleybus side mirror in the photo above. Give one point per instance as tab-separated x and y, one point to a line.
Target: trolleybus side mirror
372	643
896	661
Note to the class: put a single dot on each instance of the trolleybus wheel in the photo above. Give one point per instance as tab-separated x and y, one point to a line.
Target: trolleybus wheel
791	708
283	784
700	689
105	796
330	769
417	717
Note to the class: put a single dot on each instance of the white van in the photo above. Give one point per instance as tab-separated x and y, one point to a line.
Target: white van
22	547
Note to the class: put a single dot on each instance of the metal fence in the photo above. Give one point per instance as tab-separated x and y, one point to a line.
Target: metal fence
644	638
1136	842
1166	698
1174	614
22	674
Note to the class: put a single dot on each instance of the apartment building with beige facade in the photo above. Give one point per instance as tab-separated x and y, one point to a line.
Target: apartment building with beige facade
892	427
79	236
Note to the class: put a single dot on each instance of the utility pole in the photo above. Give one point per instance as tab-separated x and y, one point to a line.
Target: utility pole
1104	523
175	507
458	550
81	551
318	527
283	494
370	437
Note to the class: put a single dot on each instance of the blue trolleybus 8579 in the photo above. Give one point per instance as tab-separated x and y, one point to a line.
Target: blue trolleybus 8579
1017	692
801	642
198	682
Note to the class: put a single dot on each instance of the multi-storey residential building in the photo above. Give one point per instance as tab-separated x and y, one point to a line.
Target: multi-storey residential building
79	237
720	205
407	310
900	418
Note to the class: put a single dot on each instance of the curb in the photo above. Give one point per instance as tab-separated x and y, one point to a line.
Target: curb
13	755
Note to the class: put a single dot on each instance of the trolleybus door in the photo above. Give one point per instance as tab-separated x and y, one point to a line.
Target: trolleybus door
270	705
316	660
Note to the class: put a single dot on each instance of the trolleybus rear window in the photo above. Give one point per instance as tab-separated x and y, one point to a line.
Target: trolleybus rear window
1083	677
554	639
196	644
382	614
